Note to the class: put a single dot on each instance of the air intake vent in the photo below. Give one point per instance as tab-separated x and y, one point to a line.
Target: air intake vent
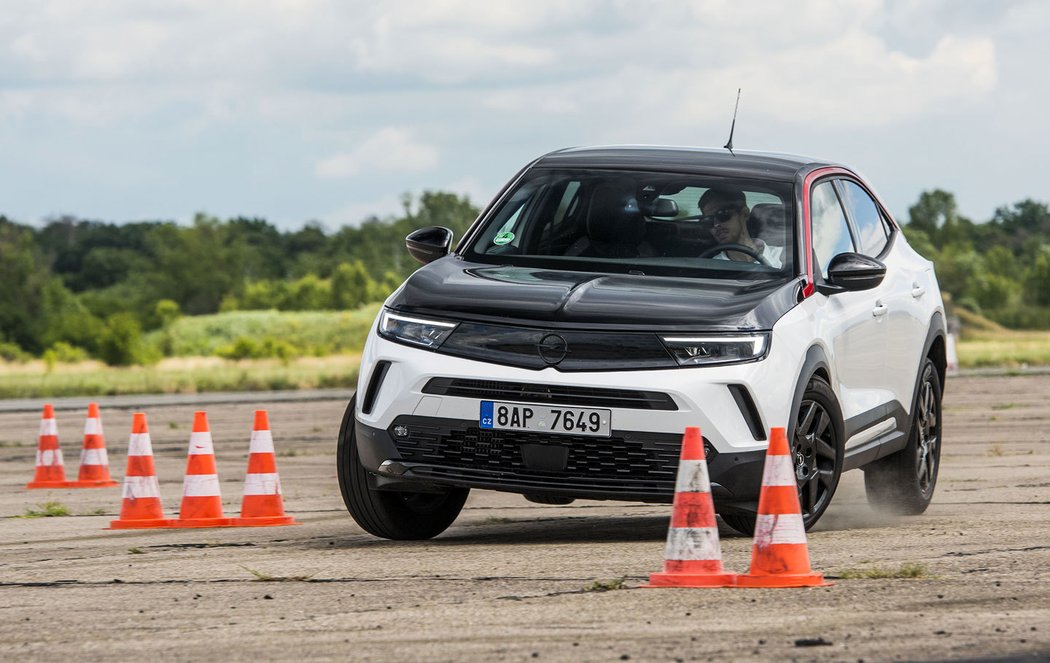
378	374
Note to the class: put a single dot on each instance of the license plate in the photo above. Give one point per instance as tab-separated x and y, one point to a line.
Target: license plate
539	418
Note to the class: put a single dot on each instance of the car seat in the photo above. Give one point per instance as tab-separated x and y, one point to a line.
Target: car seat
615	226
768	223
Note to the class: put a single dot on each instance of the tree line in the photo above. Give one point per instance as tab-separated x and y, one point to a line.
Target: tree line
76	288
999	268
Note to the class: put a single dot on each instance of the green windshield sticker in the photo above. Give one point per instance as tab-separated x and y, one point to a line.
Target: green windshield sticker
505	237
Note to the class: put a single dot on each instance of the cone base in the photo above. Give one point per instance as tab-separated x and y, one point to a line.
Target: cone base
201	522
92	483
141	523
783	580
664	579
52	484
264	521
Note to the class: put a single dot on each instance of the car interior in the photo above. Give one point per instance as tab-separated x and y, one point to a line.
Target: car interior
627	218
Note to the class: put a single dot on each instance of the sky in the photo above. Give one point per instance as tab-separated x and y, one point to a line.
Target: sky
329	111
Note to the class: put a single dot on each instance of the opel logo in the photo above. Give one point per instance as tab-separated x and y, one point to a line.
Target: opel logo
552	349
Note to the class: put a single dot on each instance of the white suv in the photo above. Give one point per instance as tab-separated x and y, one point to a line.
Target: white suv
609	297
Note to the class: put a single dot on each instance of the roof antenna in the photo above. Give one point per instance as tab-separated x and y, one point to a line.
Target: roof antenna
732	128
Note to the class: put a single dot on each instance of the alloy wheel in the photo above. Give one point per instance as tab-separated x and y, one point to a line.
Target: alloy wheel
814	455
928	437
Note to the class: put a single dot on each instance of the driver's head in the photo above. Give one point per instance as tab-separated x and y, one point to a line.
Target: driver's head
726	210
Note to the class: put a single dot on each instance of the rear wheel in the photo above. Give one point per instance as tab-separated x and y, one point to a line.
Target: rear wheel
399	515
816	455
903	483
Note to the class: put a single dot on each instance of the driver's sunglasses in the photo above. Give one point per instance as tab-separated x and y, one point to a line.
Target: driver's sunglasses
720	216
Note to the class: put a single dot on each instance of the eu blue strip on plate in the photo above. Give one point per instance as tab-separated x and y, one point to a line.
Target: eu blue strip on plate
486	414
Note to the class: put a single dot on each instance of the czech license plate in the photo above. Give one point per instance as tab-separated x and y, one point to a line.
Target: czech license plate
540	418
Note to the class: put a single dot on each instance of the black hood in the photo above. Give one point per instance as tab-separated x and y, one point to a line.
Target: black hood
453	288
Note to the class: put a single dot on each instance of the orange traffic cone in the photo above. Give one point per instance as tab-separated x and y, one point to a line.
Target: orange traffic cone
201	499
50	472
779	556
140	508
262	503
693	557
94	462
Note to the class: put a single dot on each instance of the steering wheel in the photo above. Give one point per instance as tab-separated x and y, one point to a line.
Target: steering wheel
719	248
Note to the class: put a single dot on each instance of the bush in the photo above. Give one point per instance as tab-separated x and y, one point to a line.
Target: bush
65	353
245	347
121	342
1022	317
12	352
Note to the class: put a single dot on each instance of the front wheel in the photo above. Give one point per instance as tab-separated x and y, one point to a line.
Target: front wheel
399	515
903	483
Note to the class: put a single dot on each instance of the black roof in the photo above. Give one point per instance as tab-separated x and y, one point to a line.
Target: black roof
765	165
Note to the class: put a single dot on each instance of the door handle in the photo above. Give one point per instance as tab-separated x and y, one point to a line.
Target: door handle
917	290
879	310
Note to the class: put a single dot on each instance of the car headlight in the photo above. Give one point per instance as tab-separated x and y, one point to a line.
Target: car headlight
414	331
716	349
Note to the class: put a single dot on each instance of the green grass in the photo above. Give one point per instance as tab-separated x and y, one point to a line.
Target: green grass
316	349
1009	349
47	510
317	333
906	570
985	343
606	585
177	376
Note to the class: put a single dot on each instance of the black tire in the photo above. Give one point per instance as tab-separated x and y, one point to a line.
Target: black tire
817	444
903	483
398	515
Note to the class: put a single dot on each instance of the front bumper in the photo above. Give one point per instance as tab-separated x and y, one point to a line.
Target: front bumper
629	465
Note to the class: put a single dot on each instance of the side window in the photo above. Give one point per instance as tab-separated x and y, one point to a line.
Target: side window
871	230
830	231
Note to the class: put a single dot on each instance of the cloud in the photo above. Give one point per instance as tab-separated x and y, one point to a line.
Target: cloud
308	93
391	150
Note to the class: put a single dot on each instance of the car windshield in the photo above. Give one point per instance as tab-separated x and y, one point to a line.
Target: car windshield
668	224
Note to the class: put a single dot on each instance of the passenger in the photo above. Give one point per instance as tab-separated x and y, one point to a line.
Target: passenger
726	209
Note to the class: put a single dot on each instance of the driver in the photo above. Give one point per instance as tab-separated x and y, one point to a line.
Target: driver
726	209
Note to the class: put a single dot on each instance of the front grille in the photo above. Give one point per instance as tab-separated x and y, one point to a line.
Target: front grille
523	392
622	464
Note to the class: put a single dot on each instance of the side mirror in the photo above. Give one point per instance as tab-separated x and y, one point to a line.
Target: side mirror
429	244
852	272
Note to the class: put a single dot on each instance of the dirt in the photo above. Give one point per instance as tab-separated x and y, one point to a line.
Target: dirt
512	580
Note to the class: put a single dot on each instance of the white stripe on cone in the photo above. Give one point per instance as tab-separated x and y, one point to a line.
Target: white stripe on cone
693	543
201	485
778	471
779	528
139	444
49	457
692	477
200	443
262	484
48	427
92	426
140	487
93	457
261	442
